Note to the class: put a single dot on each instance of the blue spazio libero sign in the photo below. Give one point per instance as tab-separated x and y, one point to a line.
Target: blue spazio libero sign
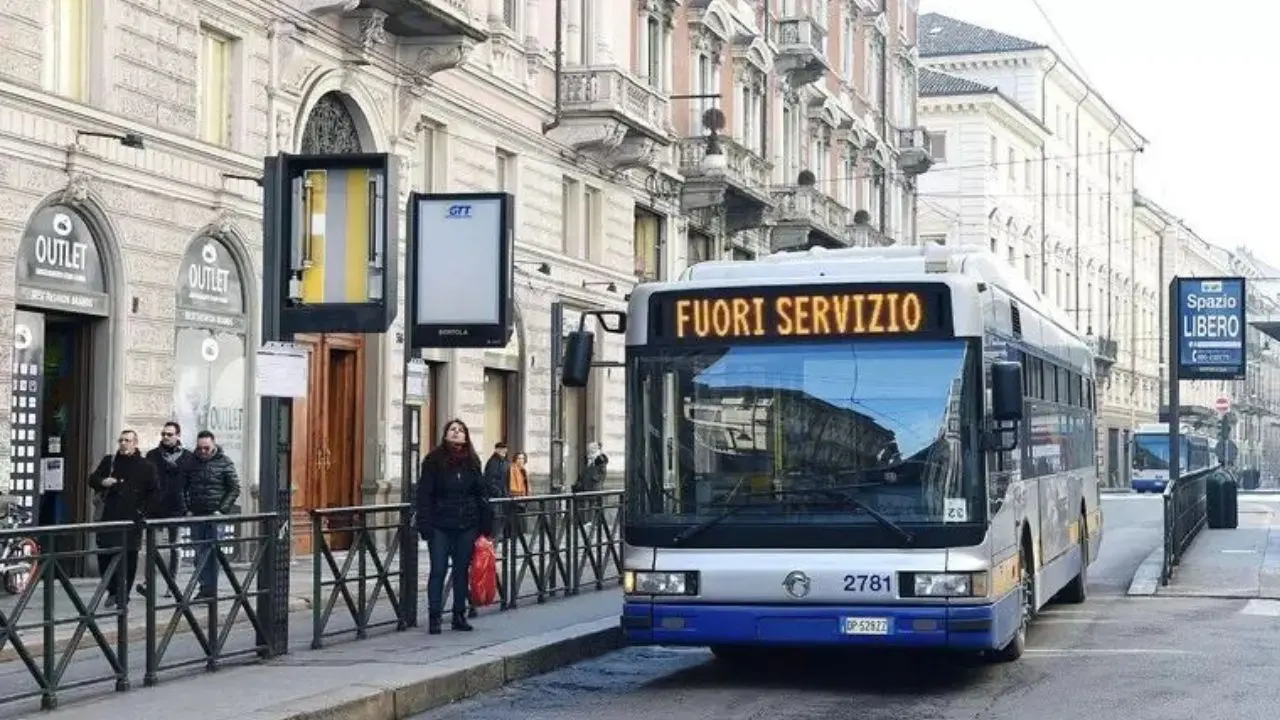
1211	325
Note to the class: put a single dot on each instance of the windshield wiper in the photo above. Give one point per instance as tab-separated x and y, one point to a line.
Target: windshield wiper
689	532
908	538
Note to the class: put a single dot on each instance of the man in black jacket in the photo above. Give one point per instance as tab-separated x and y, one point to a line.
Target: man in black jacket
174	464
212	489
127	483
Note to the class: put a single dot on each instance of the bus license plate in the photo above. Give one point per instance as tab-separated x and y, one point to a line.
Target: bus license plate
864	626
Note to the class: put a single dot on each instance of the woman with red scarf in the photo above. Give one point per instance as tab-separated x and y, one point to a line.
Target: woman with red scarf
453	509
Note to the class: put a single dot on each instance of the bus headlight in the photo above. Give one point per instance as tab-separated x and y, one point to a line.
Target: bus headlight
648	582
950	584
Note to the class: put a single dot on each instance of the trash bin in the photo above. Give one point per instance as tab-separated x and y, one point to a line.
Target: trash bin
1230	505
1213	510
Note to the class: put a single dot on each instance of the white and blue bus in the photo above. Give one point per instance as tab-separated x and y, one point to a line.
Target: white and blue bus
880	447
1150	472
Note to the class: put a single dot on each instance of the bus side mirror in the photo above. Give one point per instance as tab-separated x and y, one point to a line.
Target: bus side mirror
579	348
580	345
1006	392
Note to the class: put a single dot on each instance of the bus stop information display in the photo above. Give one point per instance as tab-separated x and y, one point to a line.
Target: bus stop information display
1211	328
813	312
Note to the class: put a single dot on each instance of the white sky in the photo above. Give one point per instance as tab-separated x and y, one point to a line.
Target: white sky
1199	84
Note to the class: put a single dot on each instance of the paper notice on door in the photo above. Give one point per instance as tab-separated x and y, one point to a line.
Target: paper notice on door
51	475
281	370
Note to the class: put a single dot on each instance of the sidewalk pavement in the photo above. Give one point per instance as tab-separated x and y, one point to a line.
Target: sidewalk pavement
1243	562
386	677
88	662
300	587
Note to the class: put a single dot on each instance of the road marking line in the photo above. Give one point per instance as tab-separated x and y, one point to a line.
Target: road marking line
1079	621
1109	651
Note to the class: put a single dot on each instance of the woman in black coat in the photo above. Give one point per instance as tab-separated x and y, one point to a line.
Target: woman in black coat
453	509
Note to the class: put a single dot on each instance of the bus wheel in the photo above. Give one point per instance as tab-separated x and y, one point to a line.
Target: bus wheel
1077	591
1018	644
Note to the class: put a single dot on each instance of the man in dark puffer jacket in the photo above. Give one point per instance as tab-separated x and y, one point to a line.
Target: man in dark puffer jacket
212	489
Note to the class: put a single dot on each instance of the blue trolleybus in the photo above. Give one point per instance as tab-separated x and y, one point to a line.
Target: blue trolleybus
882	447
1150	471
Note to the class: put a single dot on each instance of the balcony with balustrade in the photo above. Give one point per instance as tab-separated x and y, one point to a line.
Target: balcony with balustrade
613	117
731	178
802	44
804	217
434	35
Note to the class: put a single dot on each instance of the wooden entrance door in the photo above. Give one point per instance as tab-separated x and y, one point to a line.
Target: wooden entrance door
328	433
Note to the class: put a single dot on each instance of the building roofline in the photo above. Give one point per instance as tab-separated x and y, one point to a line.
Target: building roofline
1141	139
997	95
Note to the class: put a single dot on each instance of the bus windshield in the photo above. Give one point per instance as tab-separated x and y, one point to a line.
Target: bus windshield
884	421
1150	452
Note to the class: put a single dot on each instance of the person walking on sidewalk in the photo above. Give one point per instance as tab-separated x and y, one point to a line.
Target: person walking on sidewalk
174	464
497	470
126	482
452	510
518	487
592	479
212	489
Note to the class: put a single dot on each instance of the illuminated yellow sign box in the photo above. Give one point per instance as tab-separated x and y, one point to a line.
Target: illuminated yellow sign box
804	313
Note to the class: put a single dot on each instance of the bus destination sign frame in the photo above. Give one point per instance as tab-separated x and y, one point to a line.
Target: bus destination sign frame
801	313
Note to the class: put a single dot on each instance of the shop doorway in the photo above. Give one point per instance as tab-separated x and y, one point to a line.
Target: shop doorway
55	372
328	435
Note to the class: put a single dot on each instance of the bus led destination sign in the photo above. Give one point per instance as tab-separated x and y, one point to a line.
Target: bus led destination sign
813	312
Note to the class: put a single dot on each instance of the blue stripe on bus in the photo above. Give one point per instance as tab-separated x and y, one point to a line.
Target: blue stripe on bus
956	627
1149	485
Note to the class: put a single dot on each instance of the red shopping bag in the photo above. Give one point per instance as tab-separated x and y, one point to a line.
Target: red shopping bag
484	573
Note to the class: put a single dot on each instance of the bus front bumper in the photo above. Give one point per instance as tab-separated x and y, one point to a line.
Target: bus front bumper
952	627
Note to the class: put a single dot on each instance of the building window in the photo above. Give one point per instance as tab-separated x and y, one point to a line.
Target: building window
71	48
647	241
704	82
498	411
847	34
593	223
653	49
570	217
586	32
215	65
741	254
1013	166
701	247
511	13
504	171
937	145
994	151
430	140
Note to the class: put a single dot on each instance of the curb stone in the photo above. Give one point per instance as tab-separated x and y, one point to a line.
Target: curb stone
1146	581
474	673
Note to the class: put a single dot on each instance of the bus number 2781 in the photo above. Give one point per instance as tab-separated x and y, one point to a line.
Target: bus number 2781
868	583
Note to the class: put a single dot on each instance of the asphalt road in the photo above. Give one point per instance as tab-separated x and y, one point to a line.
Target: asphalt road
1114	657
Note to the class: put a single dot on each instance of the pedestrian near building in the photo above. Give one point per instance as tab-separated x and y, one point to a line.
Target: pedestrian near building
497	470
452	511
518	487
174	465
125	482
212	489
591	479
